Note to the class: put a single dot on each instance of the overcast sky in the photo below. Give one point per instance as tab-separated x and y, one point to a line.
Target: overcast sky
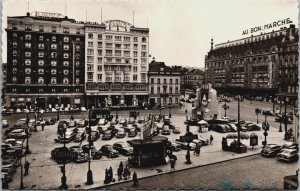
180	30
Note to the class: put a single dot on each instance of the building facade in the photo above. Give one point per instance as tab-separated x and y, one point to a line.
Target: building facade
164	84
193	78
253	64
45	61
116	64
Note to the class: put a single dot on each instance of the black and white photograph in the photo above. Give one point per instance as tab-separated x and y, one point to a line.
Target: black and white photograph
149	95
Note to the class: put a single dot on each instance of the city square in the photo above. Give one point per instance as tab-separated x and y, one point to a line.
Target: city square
101	102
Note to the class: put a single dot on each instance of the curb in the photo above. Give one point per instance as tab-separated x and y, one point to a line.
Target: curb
192	167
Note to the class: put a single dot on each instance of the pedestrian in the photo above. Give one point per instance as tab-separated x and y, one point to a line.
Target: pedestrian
111	174
172	163
126	173
120	171
211	138
135	179
121	165
186	111
197	150
26	167
106	177
43	125
72	118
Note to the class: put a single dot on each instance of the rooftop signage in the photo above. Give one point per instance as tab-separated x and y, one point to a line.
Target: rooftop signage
267	26
47	15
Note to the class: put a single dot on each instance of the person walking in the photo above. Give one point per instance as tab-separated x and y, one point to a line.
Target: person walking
172	163
26	167
43	126
186	111
120	171
135	179
121	166
211	138
110	171
106	177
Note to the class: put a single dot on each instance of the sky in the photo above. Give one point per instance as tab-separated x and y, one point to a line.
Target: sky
180	30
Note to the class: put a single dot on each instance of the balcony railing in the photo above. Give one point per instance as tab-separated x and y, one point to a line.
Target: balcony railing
107	87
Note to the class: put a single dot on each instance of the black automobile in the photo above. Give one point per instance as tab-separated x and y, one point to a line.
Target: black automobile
192	121
281	118
62	154
108	134
50	121
176	130
132	132
95	135
80	155
82	123
220	128
109	151
80	135
270	150
252	127
268	112
123	148
166	130
94	152
288	155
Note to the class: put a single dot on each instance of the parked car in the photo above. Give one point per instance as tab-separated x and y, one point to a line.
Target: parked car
166	119
270	150
290	145
95	135
220	128
94	152
122	121
107	135
184	145
157	118
82	123
132	132
123	148
175	146
62	154
252	127
14	142
202	141
288	155
102	121
192	121
233	127
176	130
268	112
131	120
109	151
166	130
4	123
80	134
50	121
121	133
18	134
281	118
141	119
80	155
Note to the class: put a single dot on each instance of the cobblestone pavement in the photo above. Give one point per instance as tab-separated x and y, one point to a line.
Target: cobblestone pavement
251	173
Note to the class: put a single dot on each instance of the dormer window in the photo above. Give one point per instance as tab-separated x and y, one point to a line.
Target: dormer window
53	38
53	28
66	30
41	28
14	26
28	27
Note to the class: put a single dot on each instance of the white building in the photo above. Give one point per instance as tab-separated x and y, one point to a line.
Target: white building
116	63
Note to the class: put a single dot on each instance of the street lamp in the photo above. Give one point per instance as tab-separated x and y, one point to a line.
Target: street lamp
188	138
239	135
225	107
21	182
170	110
89	173
27	151
64	185
286	99
58	109
280	117
257	111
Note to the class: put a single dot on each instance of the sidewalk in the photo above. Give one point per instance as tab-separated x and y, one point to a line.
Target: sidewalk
44	173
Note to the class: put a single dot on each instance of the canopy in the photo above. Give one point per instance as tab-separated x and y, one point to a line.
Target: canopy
235	136
202	122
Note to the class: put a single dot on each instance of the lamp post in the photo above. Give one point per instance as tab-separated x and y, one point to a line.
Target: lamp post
27	151
225	107
280	127
170	110
21	182
64	185
239	135
257	111
286	99
58	109
188	138
90	173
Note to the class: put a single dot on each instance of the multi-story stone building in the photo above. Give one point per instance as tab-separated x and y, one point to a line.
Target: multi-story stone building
164	84
45	61
4	75
255	64
116	64
193	78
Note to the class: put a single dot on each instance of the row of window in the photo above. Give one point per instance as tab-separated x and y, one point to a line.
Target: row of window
41	71
41	38
117	38
41	80
42	63
116	46
42	55
41	90
164	90
165	81
109	77
41	28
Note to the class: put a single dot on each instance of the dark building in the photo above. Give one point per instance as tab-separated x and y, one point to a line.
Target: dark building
263	64
45	61
164	84
193	78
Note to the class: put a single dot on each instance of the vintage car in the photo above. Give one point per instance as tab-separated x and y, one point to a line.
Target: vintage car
288	155
123	148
